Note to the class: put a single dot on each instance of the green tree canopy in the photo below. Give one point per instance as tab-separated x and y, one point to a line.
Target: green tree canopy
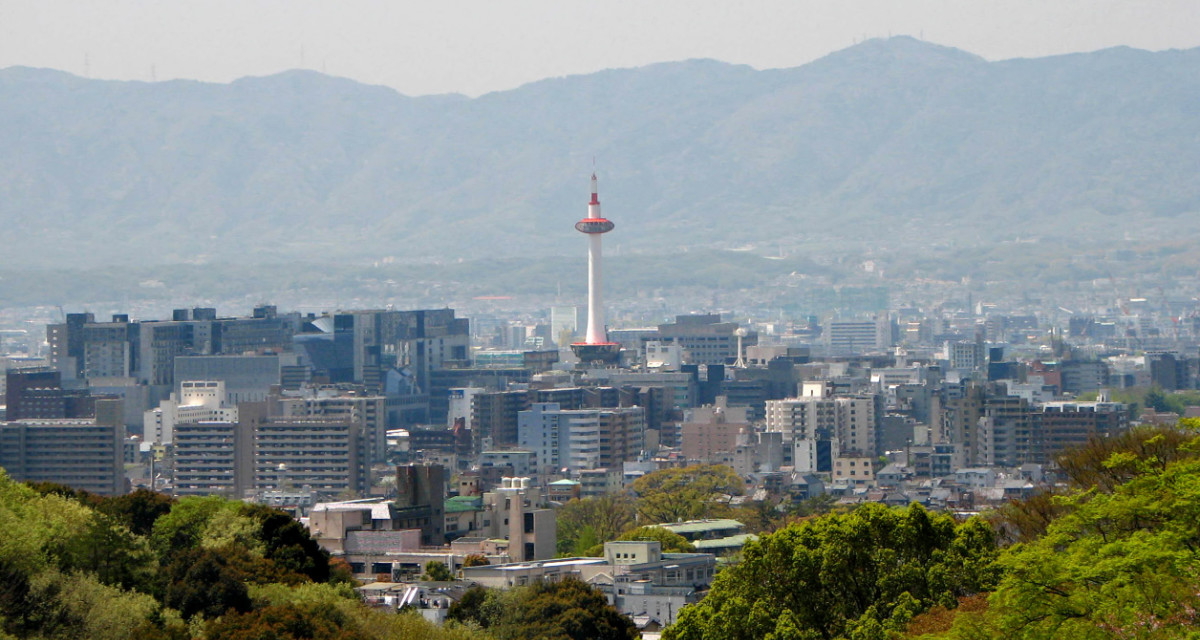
844	575
286	622
204	582
288	543
138	510
475	560
436	571
584	523
685	493
1111	564
567	610
184	526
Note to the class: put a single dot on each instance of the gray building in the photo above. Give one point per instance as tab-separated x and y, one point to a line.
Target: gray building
85	454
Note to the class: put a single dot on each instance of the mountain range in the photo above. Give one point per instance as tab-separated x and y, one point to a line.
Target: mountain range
891	143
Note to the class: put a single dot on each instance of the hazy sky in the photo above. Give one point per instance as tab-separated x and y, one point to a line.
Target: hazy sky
476	46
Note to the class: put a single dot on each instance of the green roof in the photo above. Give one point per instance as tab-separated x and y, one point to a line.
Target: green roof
700	526
564	483
459	504
724	543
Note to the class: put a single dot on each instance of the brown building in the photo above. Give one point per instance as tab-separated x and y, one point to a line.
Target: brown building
712	430
420	501
38	394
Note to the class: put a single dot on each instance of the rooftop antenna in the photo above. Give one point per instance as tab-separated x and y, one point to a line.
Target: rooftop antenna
740	363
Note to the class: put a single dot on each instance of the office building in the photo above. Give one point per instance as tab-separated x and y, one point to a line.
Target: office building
85	454
574	440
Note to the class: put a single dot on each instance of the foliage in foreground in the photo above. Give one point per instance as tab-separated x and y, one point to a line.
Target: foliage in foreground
1119	562
567	610
856	575
145	567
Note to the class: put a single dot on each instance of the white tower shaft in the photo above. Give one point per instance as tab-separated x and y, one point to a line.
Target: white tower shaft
595	325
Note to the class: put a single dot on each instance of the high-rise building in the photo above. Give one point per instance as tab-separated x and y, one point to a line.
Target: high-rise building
712	429
566	322
849	337
212	458
85	454
419	342
494	418
368	412
820	426
246	377
579	439
38	393
327	456
80	347
1005	432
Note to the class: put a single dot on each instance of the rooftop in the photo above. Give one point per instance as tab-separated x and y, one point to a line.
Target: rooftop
701	526
459	504
724	543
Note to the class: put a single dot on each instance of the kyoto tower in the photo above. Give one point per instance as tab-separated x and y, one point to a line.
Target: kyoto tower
595	345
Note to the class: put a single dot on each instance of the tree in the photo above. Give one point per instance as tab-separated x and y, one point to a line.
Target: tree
286	622
478	606
202	582
475	560
29	610
1157	400
1116	564
685	493
183	527
85	498
861	574
1105	463
138	510
564	610
585	523
436	571
288	543
116	556
567	610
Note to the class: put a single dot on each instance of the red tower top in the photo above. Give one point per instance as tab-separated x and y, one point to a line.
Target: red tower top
594	223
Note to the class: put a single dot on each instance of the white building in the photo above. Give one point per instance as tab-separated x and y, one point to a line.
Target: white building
197	401
844	337
460	405
818	415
